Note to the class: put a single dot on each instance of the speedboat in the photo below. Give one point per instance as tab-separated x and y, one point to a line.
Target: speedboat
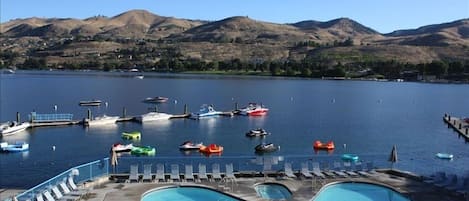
90	103
444	156
206	111
265	147
326	146
153	116
257	132
134	135
158	99
143	150
188	145
118	147
102	120
254	109
10	128
17	147
349	157
212	148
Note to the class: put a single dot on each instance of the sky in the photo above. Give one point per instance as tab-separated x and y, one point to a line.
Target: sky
383	16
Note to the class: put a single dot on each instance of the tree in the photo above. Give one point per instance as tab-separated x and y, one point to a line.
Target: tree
455	67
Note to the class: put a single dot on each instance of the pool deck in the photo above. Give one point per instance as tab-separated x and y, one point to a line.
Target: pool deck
303	189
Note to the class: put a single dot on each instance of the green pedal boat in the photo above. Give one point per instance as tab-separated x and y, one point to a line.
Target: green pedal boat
143	150
134	135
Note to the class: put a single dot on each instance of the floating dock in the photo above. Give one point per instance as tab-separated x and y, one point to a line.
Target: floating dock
459	125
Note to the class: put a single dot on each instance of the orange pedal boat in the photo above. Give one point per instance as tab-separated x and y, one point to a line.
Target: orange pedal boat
212	148
319	145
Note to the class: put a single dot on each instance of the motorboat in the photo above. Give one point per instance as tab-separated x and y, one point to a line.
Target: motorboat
134	135
157	99
212	148
257	132
118	147
90	103
102	120
10	128
139	77
350	157
444	156
325	146
254	109
206	111
143	150
153	116
17	147
188	145
265	147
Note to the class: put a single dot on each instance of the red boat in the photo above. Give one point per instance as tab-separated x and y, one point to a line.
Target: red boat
212	148
254	109
327	146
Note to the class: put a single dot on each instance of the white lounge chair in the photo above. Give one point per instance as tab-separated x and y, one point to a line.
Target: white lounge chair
160	172
202	172
317	171
360	170
289	171
39	197
229	173
189	173
147	173
216	172
348	169
68	192
174	172
60	196
338	171
305	170
133	173
48	196
75	190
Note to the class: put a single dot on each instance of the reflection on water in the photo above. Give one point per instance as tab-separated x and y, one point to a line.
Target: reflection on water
159	124
20	136
102	129
208	124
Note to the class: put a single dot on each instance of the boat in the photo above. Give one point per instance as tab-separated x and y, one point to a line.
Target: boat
212	148
153	116
134	135
90	103
206	111
254	109
10	128
444	156
257	132
102	120
188	145
326	146
143	150
139	77
349	157
17	147
118	147
265	147
157	99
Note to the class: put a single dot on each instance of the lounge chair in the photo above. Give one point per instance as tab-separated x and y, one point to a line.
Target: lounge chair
174	172
229	173
68	192
348	169
216	172
189	173
327	170
74	188
133	173
289	171
160	172
48	196
317	171
370	168
202	172
60	196
338	171
147	173
39	197
360	170
305	170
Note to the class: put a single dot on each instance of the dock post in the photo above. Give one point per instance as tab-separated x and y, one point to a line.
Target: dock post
460	125
236	105
466	131
18	117
446	115
185	109
124	112
449	118
454	122
89	114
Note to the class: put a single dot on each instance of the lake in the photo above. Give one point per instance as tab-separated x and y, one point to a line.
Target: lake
362	117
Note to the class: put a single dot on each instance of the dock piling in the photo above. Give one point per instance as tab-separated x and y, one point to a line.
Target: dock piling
185	109
89	114
236	106
124	112
18	117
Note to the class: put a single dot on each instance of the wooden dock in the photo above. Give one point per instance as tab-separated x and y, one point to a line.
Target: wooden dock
459	125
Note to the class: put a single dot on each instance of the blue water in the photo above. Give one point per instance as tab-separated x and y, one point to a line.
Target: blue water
368	117
273	191
358	192
186	194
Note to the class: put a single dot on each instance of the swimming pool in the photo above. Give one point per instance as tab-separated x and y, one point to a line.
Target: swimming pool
358	191
272	191
186	193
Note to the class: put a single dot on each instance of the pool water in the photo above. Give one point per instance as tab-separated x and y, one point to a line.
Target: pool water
350	191
186	194
272	191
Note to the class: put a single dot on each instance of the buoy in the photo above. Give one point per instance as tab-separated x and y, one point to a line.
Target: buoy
333	100
53	148
345	146
175	102
278	147
291	98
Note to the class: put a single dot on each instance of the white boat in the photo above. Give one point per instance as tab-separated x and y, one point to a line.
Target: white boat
444	156
153	116
158	99
188	145
256	132
206	111
17	147
90	103
102	120
122	147
10	128
254	109
139	77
